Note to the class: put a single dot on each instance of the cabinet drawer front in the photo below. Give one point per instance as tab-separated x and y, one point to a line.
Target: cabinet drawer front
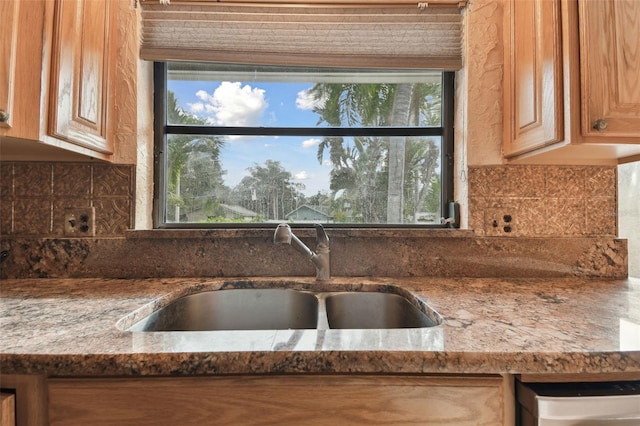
284	400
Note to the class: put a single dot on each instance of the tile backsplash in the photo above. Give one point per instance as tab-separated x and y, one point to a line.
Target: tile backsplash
34	197
543	201
573	209
506	201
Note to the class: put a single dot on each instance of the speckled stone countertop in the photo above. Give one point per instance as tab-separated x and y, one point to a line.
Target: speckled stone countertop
62	327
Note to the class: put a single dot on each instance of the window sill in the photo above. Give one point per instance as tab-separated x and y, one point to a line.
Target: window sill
302	232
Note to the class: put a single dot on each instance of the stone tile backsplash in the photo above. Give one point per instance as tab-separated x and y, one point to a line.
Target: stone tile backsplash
543	201
573	209
506	201
34	197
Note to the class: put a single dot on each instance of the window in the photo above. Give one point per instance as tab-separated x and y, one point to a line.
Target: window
248	145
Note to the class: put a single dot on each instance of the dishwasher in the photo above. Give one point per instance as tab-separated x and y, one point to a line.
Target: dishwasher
578	404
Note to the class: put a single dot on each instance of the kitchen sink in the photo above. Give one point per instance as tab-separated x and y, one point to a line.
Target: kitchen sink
283	309
235	309
363	310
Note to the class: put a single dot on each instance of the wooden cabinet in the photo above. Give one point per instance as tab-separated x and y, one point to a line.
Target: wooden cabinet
56	68
7	409
80	74
571	81
28	399
533	75
8	35
23	34
282	400
610	70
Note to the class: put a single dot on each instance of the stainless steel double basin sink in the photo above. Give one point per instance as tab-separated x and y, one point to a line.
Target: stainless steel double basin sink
286	308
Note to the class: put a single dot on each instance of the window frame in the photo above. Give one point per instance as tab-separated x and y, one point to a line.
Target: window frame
162	129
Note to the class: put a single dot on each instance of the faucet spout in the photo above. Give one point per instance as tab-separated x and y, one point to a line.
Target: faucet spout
320	258
284	235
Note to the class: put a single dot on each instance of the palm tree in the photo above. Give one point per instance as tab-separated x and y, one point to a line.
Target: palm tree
400	115
410	163
421	181
185	150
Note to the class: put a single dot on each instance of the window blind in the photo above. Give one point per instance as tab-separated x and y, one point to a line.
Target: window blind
358	33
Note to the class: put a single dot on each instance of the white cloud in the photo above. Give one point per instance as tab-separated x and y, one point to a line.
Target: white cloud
303	175
307	102
310	143
232	104
203	95
196	108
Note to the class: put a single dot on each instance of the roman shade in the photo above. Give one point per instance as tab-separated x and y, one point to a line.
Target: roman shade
357	33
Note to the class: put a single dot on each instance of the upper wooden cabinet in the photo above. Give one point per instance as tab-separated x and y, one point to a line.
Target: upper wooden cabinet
571	81
533	75
79	95
8	33
23	32
610	69
55	73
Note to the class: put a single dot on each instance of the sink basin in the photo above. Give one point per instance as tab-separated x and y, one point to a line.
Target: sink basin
363	310
235	309
286	308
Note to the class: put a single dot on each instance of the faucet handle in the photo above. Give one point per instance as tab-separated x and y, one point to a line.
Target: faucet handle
322	239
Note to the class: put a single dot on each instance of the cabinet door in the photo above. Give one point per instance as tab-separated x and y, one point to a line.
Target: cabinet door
533	75
28	402
79	102
8	40
23	31
7	409
280	400
610	70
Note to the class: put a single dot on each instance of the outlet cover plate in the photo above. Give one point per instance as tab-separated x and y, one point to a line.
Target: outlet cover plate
80	222
499	222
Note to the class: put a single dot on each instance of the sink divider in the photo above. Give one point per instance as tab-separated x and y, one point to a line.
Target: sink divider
323	318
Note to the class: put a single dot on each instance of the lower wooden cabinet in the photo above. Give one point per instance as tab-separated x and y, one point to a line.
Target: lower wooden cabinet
282	400
29	399
7	409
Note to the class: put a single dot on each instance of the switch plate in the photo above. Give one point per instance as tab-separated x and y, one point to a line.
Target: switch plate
80	222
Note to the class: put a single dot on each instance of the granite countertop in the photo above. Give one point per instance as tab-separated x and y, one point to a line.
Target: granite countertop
62	327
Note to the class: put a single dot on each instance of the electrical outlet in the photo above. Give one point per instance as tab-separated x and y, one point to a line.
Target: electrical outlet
80	222
499	222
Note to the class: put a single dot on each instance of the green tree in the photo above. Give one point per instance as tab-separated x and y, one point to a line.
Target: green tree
194	172
400	116
382	179
422	183
268	190
321	199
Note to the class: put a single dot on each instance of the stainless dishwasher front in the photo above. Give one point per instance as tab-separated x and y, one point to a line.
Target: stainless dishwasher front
579	404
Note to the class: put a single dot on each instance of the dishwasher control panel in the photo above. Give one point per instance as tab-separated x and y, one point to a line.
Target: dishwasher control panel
578	404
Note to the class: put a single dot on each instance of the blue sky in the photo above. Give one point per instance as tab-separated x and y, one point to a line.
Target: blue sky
259	104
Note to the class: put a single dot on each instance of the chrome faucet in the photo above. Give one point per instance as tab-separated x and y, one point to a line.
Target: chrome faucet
320	258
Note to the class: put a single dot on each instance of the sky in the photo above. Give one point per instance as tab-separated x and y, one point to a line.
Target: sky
259	104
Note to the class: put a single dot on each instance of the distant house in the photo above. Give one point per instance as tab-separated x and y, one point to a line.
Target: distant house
232	212
307	213
236	212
